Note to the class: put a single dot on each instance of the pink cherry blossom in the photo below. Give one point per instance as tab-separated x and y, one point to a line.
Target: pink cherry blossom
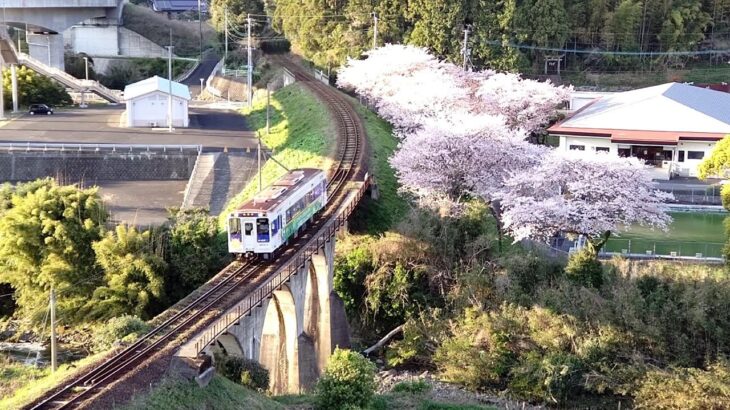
581	193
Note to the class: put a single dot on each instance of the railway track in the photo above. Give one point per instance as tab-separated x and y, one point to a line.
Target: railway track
233	278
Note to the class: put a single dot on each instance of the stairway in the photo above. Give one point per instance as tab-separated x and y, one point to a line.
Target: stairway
11	55
200	184
217	178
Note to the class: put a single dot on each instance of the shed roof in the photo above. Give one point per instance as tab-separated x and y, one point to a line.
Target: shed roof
663	113
153	84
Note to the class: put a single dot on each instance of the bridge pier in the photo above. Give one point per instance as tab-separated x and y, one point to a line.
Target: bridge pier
293	332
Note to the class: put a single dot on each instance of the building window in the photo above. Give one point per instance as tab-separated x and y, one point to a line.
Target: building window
667	154
695	154
680	156
624	152
577	147
602	149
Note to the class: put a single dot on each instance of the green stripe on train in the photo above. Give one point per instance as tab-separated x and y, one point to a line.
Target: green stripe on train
305	214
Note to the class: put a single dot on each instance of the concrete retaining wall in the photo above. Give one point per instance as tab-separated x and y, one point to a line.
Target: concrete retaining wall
75	167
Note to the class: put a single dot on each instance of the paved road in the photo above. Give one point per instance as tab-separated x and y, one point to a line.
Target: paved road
213	129
202	71
141	203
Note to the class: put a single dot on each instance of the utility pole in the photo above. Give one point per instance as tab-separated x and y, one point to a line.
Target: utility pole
53	330
2	97
14	85
225	56
466	45
202	87
83	90
375	30
169	81
200	30
249	70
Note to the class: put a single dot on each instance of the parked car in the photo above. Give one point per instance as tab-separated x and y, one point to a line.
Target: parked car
40	109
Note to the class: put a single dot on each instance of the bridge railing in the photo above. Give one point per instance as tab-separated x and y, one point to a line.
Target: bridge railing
80	147
297	262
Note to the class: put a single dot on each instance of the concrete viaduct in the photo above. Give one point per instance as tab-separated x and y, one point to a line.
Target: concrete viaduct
292	332
44	22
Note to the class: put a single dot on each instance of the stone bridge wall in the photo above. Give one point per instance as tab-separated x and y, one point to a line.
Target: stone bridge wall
294	332
91	167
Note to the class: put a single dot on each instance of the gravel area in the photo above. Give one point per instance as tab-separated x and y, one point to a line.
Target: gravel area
446	392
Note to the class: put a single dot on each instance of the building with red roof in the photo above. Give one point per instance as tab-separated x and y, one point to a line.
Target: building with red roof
671	126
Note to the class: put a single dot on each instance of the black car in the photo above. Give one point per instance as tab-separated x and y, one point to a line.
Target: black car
40	109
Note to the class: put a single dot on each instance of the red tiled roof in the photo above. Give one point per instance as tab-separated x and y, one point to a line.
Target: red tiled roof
636	136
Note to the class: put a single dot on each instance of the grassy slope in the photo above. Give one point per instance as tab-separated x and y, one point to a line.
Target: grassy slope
378	216
27	383
221	394
414	401
156	28
301	136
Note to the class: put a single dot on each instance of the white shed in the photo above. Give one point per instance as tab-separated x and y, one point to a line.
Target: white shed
147	103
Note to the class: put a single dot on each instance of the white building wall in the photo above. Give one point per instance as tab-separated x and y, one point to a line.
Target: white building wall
689	168
93	40
150	109
686	168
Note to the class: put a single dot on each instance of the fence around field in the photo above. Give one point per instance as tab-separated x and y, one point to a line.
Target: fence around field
647	248
699	196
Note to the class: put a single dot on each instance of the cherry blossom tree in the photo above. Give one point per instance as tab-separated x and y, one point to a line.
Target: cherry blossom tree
442	165
408	86
525	104
581	193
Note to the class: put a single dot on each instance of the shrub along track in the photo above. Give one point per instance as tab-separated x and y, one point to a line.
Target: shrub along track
144	362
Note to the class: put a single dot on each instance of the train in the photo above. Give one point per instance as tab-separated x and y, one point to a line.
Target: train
262	225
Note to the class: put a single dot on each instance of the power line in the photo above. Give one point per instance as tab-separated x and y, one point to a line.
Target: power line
619	53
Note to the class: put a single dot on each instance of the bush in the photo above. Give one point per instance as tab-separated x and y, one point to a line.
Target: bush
243	371
348	382
412	387
34	88
583	268
552	377
485	347
686	389
124	329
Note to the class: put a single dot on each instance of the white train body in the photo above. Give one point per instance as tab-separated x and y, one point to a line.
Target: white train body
262	225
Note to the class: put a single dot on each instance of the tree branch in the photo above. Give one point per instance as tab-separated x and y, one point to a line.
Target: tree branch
383	341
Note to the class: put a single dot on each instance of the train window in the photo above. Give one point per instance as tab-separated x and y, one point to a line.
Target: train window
275	226
248	228
234	226
262	229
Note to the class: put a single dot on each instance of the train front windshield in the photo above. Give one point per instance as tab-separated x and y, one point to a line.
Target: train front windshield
262	229
234	228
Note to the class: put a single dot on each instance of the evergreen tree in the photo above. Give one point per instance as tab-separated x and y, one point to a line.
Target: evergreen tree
133	275
46	241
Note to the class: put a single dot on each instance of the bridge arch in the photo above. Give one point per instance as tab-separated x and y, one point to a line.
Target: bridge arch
229	345
279	347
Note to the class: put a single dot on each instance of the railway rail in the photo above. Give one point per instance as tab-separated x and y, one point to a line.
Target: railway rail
237	277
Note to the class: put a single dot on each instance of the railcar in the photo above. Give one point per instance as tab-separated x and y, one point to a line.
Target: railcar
260	226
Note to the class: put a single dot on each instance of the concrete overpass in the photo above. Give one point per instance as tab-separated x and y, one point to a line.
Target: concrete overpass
44	22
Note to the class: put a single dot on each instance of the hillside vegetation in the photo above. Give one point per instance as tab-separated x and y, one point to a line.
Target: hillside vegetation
301	135
156	27
220	394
